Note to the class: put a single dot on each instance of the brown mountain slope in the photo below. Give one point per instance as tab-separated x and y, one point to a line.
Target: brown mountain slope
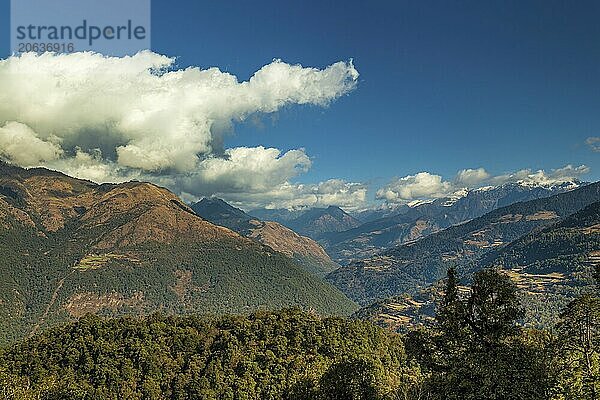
284	240
69	246
127	214
304	250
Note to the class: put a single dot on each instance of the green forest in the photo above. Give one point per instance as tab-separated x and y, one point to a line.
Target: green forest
477	349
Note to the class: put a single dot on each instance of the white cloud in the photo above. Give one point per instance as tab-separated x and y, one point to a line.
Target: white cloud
114	119
19	144
144	114
420	186
91	166
471	177
554	176
348	195
594	143
263	177
246	169
427	186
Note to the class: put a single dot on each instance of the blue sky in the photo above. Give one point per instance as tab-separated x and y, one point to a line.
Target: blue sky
443	86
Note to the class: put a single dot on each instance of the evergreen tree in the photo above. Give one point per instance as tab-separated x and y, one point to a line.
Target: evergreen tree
355	379
287	354
477	350
579	348
493	308
450	314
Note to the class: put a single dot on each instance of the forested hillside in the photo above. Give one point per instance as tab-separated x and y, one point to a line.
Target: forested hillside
564	247
551	266
304	250
69	246
474	349
405	268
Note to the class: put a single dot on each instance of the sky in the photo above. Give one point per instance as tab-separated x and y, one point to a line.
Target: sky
424	98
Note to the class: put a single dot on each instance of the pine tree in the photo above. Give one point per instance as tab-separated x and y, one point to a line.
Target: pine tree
493	309
579	344
450	314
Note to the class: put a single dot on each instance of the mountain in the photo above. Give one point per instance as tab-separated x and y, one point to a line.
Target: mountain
222	213
404	312
420	219
551	266
313	222
407	267
281	215
554	264
383	211
68	247
565	247
318	221
304	250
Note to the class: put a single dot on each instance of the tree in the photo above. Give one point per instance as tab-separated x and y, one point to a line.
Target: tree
287	354
450	315
493	308
579	348
355	379
477	350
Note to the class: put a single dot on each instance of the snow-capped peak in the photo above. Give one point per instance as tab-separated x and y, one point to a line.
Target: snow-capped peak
416	203
454	197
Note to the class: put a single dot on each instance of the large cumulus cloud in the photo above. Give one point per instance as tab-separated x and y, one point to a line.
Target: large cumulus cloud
262	177
20	144
139	117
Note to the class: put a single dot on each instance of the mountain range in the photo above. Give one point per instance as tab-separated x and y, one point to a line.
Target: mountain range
71	246
551	266
408	267
304	250
312	222
404	224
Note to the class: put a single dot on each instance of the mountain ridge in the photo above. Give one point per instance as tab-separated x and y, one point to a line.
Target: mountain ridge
409	266
425	218
280	238
70	245
550	266
311	222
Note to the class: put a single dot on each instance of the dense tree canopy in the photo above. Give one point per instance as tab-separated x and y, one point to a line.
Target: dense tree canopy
476	350
267	355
